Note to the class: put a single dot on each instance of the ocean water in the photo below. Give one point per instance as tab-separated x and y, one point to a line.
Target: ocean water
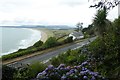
12	39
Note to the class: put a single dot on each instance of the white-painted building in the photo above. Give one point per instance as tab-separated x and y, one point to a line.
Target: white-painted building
76	35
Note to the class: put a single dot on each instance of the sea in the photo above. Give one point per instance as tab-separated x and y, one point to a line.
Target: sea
13	39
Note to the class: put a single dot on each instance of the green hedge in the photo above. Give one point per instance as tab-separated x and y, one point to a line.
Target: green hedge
38	46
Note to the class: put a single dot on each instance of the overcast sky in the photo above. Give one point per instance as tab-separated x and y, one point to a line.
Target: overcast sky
48	12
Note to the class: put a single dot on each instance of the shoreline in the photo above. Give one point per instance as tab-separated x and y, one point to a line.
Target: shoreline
45	33
43	37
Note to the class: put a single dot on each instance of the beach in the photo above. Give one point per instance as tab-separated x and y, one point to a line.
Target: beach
45	33
20	38
44	36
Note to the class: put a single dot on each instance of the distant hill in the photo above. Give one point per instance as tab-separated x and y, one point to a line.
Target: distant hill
42	26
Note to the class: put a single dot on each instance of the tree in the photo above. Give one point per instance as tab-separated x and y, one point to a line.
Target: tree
100	21
106	3
51	42
68	39
79	26
38	44
8	72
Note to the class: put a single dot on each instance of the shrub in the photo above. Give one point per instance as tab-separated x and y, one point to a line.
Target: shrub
8	72
68	39
62	72
29	72
38	44
51	42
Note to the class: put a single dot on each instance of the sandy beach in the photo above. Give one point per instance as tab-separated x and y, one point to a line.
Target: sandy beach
45	33
44	36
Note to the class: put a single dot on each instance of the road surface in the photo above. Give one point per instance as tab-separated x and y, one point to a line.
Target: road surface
46	56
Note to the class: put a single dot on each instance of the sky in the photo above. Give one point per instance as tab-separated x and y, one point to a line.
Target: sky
48	12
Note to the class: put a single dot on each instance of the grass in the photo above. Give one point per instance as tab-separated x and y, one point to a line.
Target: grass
38	53
56	32
59	34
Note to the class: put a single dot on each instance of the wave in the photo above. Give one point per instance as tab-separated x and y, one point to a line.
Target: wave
34	37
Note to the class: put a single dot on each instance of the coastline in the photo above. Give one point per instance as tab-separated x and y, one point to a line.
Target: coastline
37	34
44	36
45	33
34	36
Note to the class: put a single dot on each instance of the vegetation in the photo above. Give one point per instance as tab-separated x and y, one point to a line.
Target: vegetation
109	4
25	72
102	55
89	31
7	72
38	46
99	60
51	42
62	72
79	26
101	23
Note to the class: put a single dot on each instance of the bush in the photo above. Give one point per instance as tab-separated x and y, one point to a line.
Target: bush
29	72
51	42
38	44
63	72
68	39
8	72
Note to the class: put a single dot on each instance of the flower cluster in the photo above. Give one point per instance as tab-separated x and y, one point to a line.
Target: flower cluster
62	72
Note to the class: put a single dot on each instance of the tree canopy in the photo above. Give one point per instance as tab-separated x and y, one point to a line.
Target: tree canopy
109	4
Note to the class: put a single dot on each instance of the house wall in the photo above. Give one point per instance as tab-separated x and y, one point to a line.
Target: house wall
76	37
72	36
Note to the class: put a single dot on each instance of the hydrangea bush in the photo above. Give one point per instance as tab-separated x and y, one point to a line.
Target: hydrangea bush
62	72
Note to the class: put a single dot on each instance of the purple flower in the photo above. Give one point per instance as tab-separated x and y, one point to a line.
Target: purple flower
94	73
82	72
51	74
68	68
44	72
63	77
61	66
87	71
93	78
72	71
46	69
75	76
84	63
78	67
50	67
83	69
39	75
68	74
85	77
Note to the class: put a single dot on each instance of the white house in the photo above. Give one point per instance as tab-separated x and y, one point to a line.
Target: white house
76	35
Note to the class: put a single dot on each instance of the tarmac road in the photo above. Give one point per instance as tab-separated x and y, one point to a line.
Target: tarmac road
46	56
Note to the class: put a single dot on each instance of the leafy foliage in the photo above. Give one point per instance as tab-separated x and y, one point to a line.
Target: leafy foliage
38	44
68	39
62	72
108	4
100	21
71	57
51	42
29	72
8	72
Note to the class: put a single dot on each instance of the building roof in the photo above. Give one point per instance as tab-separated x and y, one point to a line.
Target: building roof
77	34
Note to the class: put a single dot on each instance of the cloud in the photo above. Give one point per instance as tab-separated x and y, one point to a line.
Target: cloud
73	3
45	12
